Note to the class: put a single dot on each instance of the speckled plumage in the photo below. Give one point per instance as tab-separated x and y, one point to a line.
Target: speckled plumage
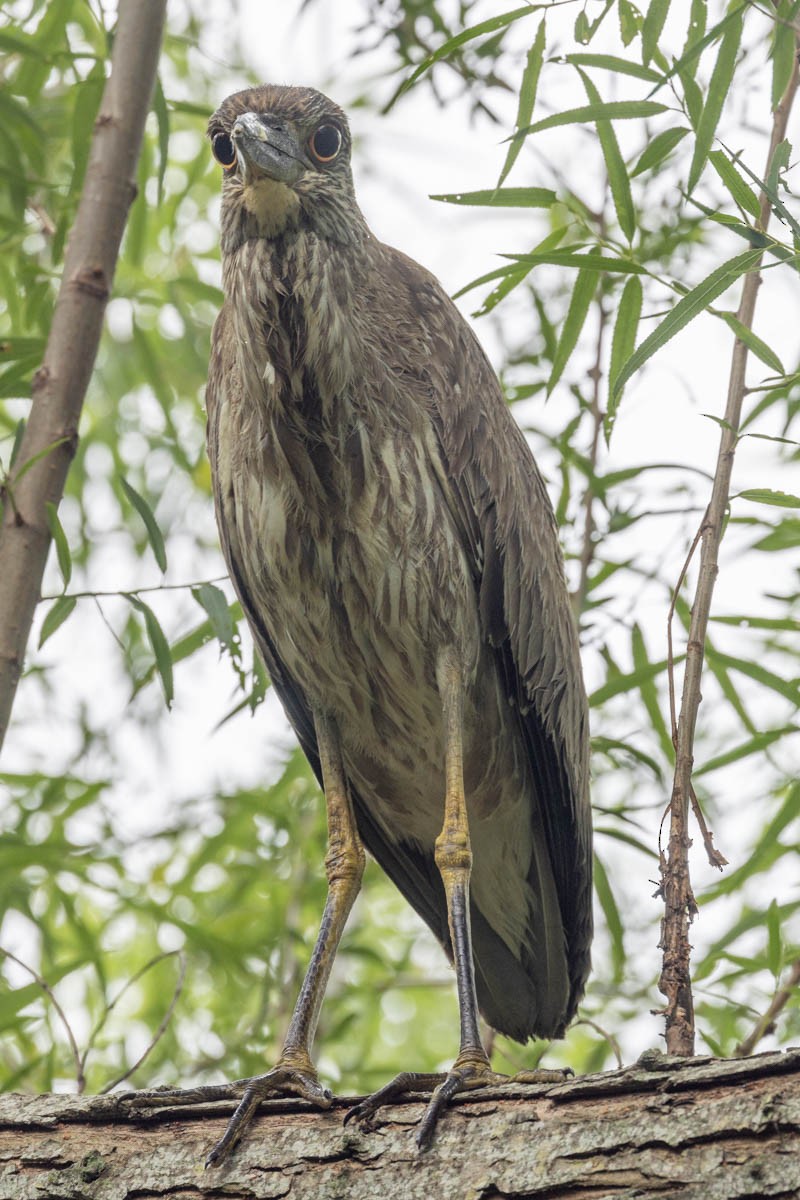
377	503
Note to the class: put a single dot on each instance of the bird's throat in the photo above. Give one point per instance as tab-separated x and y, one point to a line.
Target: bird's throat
274	205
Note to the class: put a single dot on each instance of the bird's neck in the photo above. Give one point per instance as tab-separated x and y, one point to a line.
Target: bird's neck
297	303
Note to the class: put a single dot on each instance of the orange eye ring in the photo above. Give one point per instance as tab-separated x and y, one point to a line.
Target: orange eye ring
224	151
325	143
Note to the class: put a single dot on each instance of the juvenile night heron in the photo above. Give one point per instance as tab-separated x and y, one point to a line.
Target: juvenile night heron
393	546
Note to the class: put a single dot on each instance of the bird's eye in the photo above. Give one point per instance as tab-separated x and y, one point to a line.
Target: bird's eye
224	151
325	143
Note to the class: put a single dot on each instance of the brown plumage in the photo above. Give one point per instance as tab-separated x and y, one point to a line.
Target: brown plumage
395	551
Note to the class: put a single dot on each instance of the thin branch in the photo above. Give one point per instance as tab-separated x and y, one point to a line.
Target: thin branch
137	975
118	593
766	1024
59	386
48	991
613	1042
159	1033
679	904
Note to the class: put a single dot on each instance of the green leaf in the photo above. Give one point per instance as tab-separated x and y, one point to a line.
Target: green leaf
743	195
610	110
790	624
778	164
615	165
628	682
19	434
785	536
753	342
582	262
56	616
582	296
767	496
586	29
774	940
753	745
492	25
687	308
788	688
144	510
527	97
718	87
159	644
38	456
214	601
769	186
622	345
649	694
696	45
60	539
611	913
162	121
630	21
660	148
512	197
654	19
609	62
784	49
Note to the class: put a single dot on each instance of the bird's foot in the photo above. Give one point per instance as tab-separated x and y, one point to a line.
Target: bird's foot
285	1079
469	1071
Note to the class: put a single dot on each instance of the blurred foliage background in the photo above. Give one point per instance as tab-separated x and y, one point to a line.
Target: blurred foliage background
128	906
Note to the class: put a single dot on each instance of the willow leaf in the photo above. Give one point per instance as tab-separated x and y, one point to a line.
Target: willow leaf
718	87
527	97
687	308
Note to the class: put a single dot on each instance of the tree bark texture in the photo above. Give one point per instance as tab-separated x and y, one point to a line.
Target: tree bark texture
59	386
699	1130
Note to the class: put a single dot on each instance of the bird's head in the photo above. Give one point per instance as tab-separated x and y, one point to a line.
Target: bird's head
285	156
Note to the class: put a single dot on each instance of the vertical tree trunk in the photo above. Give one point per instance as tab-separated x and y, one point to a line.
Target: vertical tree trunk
60	384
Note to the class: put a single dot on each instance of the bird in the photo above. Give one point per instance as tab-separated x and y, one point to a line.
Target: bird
393	547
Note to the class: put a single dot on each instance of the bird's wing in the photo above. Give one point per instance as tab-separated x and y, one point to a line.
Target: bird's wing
500	504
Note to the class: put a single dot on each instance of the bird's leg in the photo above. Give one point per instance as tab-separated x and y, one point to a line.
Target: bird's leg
344	865
294	1072
453	856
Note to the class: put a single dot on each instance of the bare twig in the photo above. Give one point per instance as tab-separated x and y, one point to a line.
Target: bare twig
109	1008
121	593
159	1033
59	385
766	1023
679	905
604	1033
48	991
715	857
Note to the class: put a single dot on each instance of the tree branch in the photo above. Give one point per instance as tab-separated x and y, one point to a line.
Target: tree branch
59	385
766	1023
679	905
698	1130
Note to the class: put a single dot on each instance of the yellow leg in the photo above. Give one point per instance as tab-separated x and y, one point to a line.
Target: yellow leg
453	856
344	867
294	1072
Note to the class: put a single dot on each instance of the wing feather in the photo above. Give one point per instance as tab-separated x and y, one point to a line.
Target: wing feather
506	521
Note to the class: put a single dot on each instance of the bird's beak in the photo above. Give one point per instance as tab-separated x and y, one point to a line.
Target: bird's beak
267	150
